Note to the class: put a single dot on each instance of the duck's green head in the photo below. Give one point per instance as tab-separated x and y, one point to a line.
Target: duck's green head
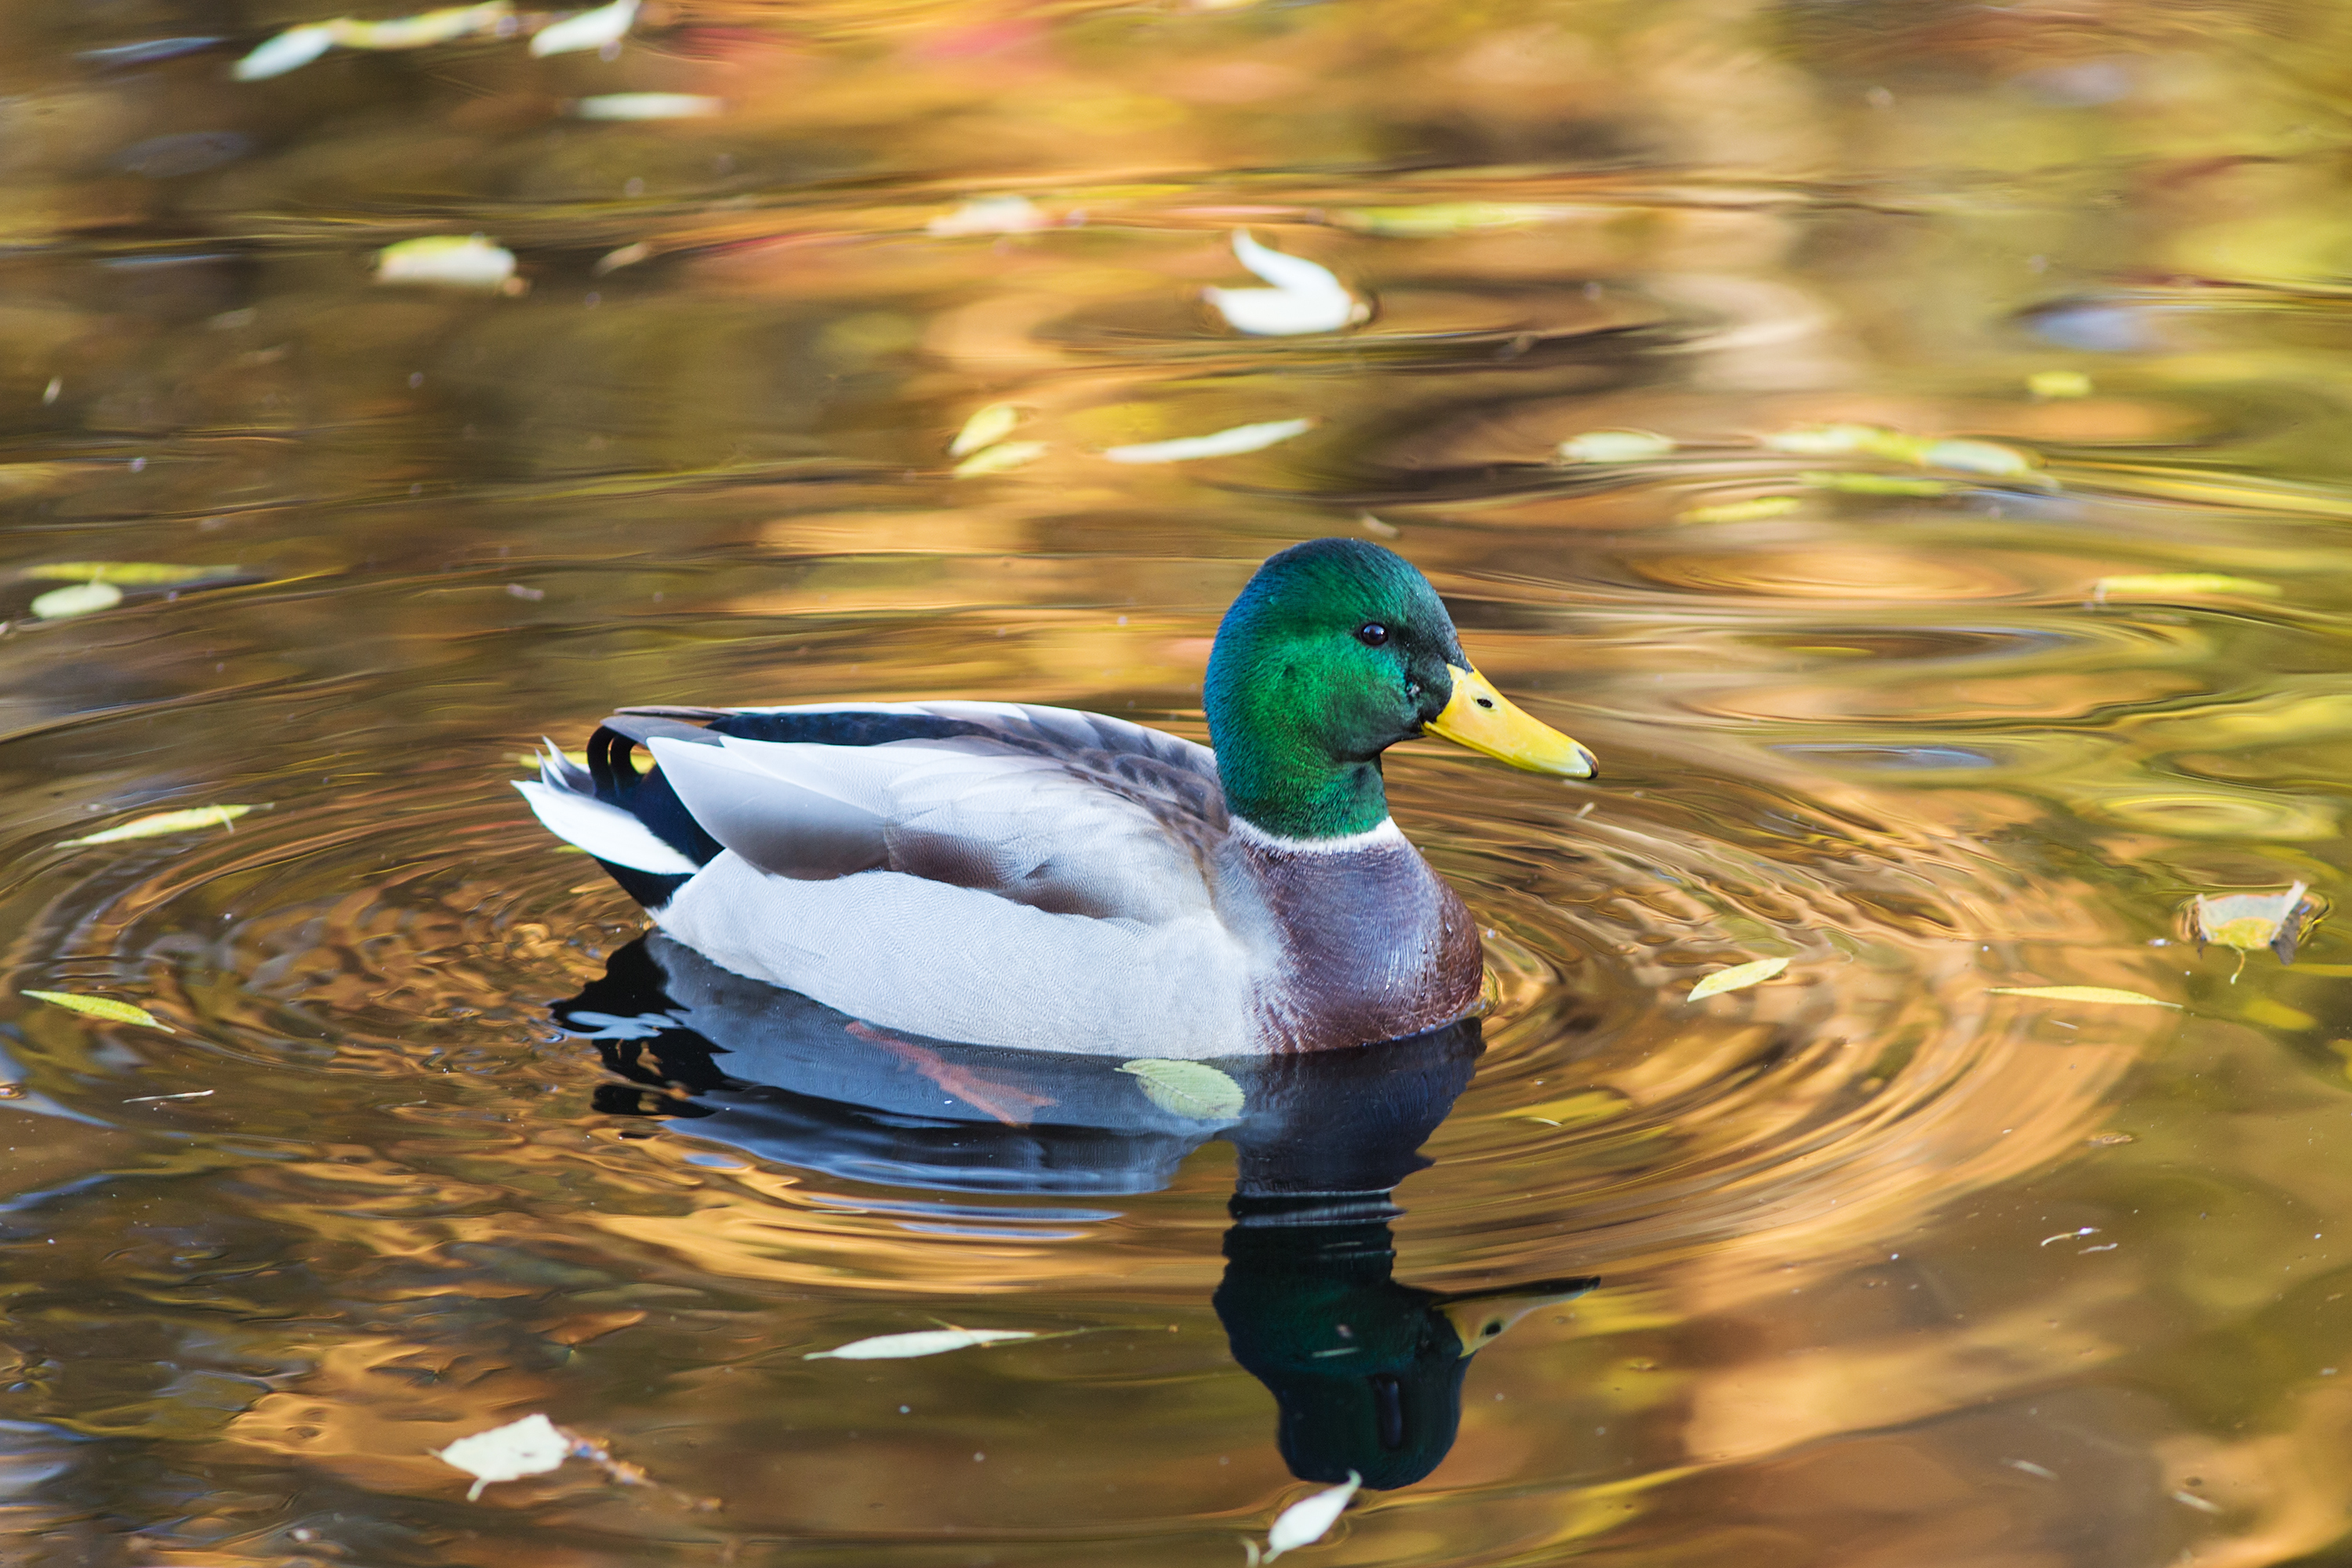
1337	650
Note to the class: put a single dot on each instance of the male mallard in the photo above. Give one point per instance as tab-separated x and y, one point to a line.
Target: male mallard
1059	880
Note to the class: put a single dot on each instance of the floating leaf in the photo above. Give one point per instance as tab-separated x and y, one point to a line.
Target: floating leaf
2058	383
163	823
986	428
105	1007
989	215
459	261
1193	1090
587	29
2247	922
1846	441
927	1341
2169	585
2084	994
1308	1520
1876	484
81	599
427	27
648	106
1223	443
1739	977
531	1446
137	573
1754	511
290	50
1988	457
1445	218
1304	298
996	459
1614	446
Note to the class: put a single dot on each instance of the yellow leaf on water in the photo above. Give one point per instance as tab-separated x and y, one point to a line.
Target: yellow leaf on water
1445	218
1221	444
105	1007
2250	920
1192	1090
1988	457
2084	994
2058	383
1754	511
1614	446
136	574
986	428
426	27
81	599
1000	457
1876	484
1739	977
587	29
163	823
1846	441
2169	585
926	1342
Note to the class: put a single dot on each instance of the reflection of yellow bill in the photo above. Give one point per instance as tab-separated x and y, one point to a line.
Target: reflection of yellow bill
1483	719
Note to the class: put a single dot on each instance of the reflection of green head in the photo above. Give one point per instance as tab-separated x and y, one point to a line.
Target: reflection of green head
1367	1373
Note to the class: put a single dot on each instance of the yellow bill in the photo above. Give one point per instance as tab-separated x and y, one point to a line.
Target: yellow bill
1482	1317
1483	719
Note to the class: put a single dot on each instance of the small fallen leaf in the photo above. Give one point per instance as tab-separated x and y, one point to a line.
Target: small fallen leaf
1845	441
1192	1089
2167	584
2058	383
587	29
290	50
105	1007
459	261
2250	920
2084	994
926	1342
989	215
161	823
996	459
1306	298
137	573
2202	1505
1739	977
1308	1520
1988	457
1441	218
648	106
1876	484
1613	447
531	1446
81	599
986	428
626	255
427	27
160	1098
1754	511
1222	444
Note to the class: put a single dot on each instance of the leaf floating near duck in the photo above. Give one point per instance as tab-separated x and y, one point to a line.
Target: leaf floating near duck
531	1446
1222	444
1739	977
81	599
2247	922
163	823
587	29
1306	298
1614	446
105	1007
1308	1520
926	1342
2103	993
1192	1089
448	260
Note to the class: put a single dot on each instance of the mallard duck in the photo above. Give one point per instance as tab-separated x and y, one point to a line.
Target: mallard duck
1053	880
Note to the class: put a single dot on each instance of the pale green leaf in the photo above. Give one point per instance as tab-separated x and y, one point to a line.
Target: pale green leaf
2250	920
457	261
105	1007
986	428
1441	218
1876	484
1846	441
163	823
1192	1090
1739	977
427	27
999	459
2084	994
926	1342
2058	383
2170	584
1222	444
81	599
1752	511
132	574
648	106
1988	457
587	29
1614	446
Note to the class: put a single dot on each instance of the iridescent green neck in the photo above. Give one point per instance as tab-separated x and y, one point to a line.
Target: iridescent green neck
1285	782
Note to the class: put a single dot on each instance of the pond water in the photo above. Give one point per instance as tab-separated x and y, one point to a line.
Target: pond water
1896	1263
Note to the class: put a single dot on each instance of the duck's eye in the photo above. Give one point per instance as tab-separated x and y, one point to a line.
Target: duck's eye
1371	633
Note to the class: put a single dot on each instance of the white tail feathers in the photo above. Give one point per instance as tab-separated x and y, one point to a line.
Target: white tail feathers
604	831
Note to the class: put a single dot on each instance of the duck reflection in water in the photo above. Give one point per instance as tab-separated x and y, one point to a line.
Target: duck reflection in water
1367	1373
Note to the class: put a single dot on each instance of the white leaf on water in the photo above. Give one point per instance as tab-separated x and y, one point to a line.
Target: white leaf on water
1308	1520
989	215
290	50
999	459
158	824
457	261
1222	444
81	599
648	106
531	1446
986	428
1304	298
1739	977
426	27
927	1341
1615	447
1978	457
587	29
1192	1089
